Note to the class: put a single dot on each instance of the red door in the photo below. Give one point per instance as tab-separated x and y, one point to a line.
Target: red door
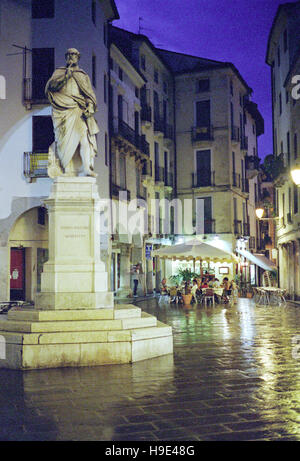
17	274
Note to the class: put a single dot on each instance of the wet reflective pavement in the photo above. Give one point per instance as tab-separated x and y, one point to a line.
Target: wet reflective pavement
234	376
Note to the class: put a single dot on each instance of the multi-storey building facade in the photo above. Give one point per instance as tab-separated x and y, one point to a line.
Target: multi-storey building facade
217	126
129	153
283	57
202	130
156	119
42	31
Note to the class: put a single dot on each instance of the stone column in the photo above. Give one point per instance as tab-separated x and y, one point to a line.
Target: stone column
74	277
158	273
4	273
149	275
125	288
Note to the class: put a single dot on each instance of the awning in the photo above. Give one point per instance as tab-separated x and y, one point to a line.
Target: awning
194	250
258	259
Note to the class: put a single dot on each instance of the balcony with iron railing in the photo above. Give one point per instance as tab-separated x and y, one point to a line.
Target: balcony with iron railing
146	113
168	178
122	129
159	174
246	229
202	133
235	133
34	91
159	124
120	192
244	142
168	131
203	178
147	168
208	227
245	185
252	162
35	164
237	227
236	180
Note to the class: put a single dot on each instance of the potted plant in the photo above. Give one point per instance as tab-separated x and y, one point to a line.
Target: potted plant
249	292
185	276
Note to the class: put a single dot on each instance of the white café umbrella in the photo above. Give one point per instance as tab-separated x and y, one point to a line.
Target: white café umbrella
195	250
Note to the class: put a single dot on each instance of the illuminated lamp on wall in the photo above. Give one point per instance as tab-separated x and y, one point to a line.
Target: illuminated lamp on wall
295	174
259	212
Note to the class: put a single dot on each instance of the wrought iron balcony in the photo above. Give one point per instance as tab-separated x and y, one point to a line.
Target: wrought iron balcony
245	185
159	124
159	174
237	226
168	131
252	162
235	133
147	168
236	180
203	178
146	113
202	133
246	229
34	91
35	164
244	142
121	128
144	145
168	178
208	226
116	190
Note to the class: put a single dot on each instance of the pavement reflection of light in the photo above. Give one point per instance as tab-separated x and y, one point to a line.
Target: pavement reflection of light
225	324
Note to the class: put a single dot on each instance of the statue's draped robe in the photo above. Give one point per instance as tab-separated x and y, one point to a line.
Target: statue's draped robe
69	98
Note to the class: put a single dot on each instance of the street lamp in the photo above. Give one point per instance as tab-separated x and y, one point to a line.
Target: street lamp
259	212
295	173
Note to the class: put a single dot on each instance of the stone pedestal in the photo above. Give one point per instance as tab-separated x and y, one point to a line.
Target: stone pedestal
74	277
74	322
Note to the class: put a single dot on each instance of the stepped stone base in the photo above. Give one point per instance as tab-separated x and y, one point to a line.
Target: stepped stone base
38	338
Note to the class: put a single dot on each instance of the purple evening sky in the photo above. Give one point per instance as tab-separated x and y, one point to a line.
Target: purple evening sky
225	30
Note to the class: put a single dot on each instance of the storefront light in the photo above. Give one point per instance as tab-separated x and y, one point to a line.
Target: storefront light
295	173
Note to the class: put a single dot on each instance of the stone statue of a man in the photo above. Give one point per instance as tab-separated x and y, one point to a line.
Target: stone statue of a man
73	101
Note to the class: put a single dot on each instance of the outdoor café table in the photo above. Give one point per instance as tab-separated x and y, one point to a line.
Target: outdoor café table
268	293
218	291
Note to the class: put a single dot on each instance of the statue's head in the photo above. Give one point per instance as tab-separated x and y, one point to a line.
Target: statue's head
72	56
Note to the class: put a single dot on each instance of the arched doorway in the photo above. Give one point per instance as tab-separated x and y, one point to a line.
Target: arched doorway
28	250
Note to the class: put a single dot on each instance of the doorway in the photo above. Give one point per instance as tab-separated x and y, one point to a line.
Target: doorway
17	274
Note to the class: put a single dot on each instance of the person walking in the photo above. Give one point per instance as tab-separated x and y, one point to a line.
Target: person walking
135	278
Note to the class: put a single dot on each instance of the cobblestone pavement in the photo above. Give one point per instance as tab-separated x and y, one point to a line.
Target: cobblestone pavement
234	376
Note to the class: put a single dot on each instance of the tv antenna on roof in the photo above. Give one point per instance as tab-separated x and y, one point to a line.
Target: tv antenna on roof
143	28
24	52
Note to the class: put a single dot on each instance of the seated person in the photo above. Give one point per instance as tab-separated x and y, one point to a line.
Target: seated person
204	283
163	287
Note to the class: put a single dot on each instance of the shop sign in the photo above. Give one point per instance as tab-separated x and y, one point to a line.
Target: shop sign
148	250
